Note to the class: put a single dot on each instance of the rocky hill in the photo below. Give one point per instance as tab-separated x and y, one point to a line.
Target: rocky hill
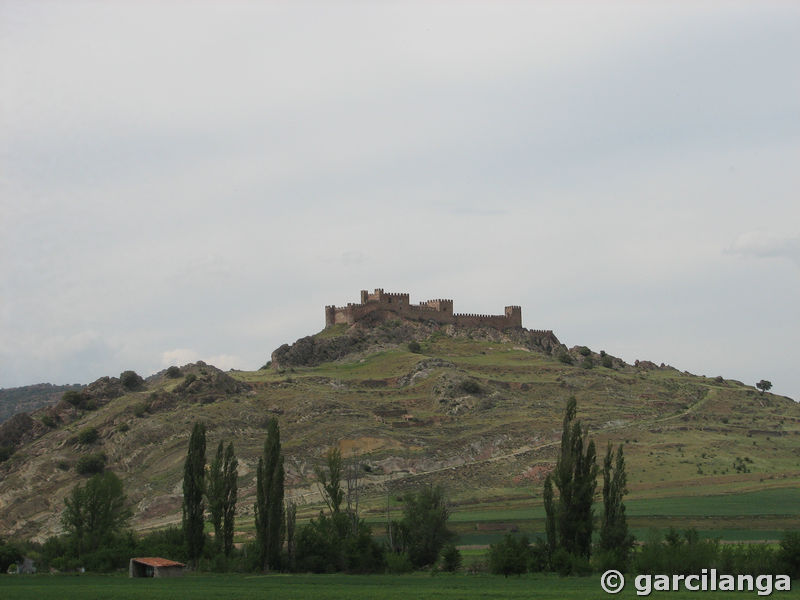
477	410
30	398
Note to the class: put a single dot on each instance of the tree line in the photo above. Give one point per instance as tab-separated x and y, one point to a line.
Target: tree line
336	540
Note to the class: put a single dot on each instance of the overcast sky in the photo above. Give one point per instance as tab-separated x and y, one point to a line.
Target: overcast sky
196	180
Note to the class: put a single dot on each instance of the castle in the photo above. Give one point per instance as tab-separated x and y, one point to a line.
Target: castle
439	311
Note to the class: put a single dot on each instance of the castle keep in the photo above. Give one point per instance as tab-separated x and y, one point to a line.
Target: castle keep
439	311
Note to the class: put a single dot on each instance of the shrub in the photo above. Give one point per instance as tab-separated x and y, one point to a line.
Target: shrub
584	351
74	397
451	558
48	421
587	363
678	553
190	379
414	347
607	361
123	427
398	563
789	554
6	452
140	409
173	372
62	465
91	464
166	542
562	562
745	559
88	435
581	566
470	387
565	358
540	556
10	554
510	556
130	380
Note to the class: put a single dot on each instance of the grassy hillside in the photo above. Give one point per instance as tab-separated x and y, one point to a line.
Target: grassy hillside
480	414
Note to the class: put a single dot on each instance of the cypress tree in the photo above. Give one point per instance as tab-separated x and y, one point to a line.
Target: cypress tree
230	474
193	490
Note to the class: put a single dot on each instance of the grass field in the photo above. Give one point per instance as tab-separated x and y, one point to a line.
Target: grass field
322	587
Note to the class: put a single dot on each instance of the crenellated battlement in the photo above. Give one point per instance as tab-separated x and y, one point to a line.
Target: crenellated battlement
439	310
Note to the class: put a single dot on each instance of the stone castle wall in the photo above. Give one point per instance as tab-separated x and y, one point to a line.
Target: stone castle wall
439	311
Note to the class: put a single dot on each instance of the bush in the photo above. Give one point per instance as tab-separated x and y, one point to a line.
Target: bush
451	558
470	386
607	361
9	554
62	465
91	464
140	409
587	363
509	556
77	399
736	559
565	358
88	436
6	452
584	351
677	554
123	427
540	556
398	563
173	372
319	546
562	562
48	421
581	566
789	554
169	542
131	381
414	347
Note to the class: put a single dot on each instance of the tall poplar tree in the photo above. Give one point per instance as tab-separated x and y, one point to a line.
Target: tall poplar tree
193	490
230	473
270	526
222	492
614	535
570	518
216	494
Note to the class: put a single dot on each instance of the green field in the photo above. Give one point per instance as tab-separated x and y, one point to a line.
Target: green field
321	587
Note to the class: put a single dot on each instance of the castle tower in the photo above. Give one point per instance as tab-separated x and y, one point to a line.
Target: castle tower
330	316
514	316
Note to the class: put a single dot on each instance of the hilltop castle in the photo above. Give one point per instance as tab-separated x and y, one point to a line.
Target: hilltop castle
439	311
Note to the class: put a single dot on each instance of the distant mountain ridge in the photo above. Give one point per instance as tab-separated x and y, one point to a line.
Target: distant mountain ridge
29	398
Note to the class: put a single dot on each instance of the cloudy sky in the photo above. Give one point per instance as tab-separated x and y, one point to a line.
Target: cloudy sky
184	180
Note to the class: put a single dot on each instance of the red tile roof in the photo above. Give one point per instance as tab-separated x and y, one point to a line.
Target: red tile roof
158	562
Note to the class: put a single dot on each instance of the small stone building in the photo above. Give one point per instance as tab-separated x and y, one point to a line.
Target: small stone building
155	567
